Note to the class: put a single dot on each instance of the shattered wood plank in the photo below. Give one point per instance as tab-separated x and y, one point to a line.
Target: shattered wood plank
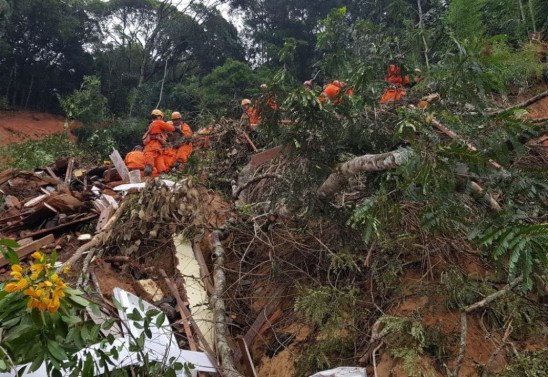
35	201
248	361
65	203
195	291
23	251
261	319
185	314
68	174
119	164
6	175
62	226
204	270
135	176
104	217
53	175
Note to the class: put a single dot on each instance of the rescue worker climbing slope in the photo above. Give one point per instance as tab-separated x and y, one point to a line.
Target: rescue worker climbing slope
395	91
154	140
250	118
332	90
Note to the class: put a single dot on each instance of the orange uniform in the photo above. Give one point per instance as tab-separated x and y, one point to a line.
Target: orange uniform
331	92
154	146
253	116
174	153
395	90
135	160
185	150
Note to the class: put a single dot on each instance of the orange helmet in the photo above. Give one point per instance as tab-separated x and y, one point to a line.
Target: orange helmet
393	69
246	101
157	112
176	115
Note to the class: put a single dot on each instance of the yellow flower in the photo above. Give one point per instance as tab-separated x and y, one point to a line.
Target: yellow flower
22	284
16	268
34	276
58	292
33	303
54	277
38	255
66	269
11	287
16	275
37	268
54	305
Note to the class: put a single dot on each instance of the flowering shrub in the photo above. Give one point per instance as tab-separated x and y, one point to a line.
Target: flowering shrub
40	315
43	286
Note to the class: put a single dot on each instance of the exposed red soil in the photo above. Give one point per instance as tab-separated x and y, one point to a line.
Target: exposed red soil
19	126
539	109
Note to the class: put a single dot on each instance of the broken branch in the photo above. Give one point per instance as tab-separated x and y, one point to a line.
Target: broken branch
526	103
362	164
250	182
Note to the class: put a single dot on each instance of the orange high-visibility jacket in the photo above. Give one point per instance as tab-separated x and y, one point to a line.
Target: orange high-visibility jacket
331	91
253	116
135	160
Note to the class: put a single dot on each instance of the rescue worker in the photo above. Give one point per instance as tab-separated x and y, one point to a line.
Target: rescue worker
154	140
135	160
250	118
395	91
183	145
308	84
332	92
268	99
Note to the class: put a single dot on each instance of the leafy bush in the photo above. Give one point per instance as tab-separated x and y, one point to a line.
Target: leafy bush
87	104
34	154
528	364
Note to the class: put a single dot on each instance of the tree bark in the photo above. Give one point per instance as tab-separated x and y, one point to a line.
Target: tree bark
421	27
219	311
362	164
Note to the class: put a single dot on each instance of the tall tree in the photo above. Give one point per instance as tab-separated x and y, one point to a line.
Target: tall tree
44	51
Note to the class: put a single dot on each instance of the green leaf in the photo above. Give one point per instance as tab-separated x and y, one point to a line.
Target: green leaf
135	315
10	255
87	371
11	244
160	319
107	325
37	362
71	320
78	300
56	351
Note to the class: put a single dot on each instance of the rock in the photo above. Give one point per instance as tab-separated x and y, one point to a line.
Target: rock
148	290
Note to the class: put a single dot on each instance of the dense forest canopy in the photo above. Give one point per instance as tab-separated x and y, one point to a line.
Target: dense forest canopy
141	48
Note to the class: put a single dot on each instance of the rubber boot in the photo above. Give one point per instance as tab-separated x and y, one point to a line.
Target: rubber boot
148	170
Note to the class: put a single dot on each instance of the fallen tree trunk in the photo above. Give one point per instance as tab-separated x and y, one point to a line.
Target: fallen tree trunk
362	164
219	311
